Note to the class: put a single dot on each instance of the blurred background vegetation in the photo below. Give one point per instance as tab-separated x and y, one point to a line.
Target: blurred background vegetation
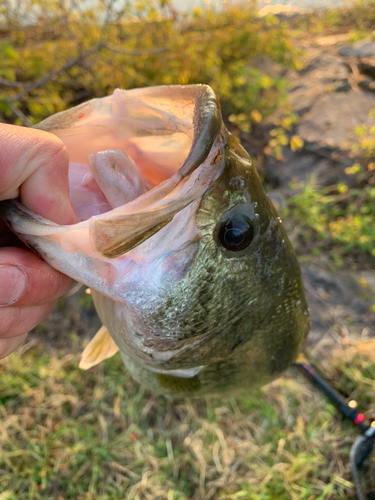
67	434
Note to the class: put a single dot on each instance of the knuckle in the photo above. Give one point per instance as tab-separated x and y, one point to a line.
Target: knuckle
53	150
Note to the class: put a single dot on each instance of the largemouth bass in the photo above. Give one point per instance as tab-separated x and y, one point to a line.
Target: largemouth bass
190	268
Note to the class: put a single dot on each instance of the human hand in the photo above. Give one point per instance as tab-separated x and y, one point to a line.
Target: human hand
34	168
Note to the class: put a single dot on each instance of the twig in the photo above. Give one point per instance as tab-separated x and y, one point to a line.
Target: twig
354	78
32	86
136	52
20	115
10	83
106	20
52	74
132	72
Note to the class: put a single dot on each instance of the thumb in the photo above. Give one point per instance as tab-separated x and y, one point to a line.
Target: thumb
34	168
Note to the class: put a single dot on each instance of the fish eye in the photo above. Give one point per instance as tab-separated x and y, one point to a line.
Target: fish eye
236	233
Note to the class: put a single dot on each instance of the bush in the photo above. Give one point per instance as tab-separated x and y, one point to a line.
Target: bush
148	44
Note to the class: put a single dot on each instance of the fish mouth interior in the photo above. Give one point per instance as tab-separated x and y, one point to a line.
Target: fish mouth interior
89	199
166	131
158	156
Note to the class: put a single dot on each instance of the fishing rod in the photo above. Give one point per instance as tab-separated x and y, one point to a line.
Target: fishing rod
363	446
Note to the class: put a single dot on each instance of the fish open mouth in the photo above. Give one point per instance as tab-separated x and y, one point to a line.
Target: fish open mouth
172	139
155	141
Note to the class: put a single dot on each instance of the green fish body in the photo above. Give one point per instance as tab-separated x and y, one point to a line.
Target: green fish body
189	265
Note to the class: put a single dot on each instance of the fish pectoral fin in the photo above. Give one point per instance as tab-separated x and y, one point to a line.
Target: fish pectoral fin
100	347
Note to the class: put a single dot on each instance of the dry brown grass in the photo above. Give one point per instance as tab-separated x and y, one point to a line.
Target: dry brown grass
69	434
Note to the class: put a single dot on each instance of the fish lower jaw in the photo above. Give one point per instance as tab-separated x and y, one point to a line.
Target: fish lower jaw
180	372
164	362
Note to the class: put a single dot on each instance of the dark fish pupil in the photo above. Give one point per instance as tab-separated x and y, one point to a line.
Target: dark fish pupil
236	233
233	236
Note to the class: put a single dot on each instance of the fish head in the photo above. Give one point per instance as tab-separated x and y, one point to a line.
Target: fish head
191	273
231	289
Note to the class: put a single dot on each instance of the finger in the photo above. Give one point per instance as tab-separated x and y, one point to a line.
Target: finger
7	346
34	167
17	321
26	280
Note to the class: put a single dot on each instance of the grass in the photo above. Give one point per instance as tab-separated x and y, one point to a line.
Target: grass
68	434
335	220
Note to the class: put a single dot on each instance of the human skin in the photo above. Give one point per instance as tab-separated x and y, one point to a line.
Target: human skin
34	168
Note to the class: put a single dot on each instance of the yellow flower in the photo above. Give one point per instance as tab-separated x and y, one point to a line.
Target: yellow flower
296	143
256	116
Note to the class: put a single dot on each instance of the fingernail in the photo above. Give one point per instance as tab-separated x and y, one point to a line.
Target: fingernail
12	284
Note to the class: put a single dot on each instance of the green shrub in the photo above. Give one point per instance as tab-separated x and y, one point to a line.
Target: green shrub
224	49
